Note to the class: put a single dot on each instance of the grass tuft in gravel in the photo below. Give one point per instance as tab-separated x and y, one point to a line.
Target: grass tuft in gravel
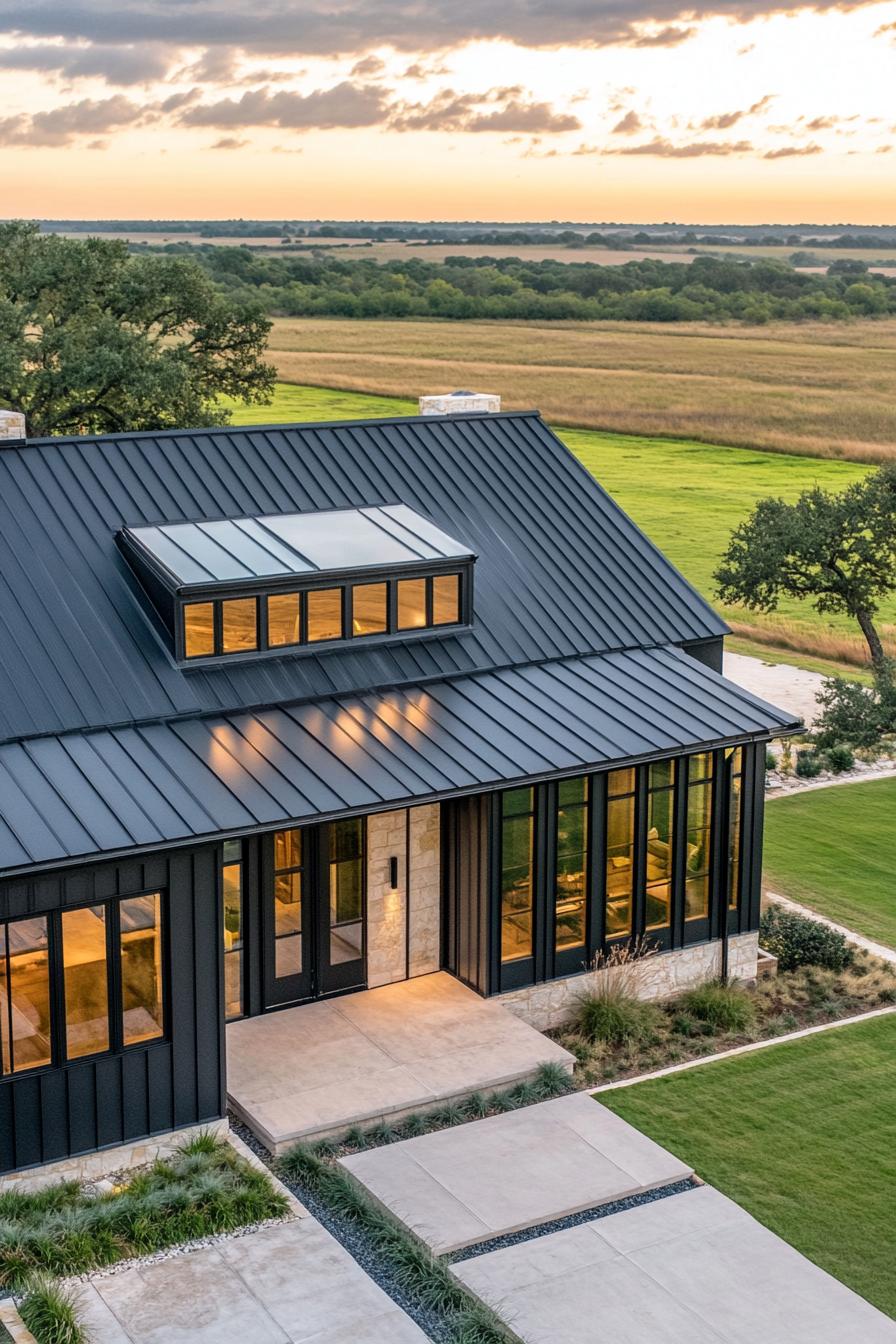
49	1310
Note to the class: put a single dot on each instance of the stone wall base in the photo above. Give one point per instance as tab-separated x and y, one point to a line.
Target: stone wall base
95	1166
553	1003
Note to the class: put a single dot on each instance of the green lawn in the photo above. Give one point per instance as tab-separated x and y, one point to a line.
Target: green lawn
802	1136
687	496
835	850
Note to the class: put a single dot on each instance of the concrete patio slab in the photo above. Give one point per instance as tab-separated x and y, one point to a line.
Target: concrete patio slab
512	1171
320	1068
693	1268
287	1284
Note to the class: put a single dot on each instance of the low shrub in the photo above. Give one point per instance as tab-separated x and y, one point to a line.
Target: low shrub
723	1006
797	941
616	1017
771	760
50	1312
808	764
840	758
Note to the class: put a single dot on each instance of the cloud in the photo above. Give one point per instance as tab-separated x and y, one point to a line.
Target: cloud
344	105
662	148
630	123
229	142
672	35
476	113
116	64
64	124
722	121
368	65
318	27
792	151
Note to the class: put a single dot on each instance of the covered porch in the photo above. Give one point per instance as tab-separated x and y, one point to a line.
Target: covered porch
360	1058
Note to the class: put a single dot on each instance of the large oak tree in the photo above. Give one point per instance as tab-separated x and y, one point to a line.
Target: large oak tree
95	340
838	551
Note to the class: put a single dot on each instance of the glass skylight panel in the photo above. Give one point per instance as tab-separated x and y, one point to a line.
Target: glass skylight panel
345	539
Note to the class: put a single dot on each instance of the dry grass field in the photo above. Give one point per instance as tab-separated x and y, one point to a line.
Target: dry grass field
818	389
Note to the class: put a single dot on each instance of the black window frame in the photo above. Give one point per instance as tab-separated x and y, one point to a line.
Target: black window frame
59	1057
345	583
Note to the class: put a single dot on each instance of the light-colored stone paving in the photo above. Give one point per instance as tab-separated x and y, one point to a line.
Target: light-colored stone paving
284	1284
325	1066
512	1171
693	1268
792	688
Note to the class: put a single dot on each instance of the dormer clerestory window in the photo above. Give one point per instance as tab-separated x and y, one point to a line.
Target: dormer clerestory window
288	583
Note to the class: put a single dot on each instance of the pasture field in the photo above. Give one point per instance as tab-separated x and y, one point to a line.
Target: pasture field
825	390
687	496
800	1135
835	851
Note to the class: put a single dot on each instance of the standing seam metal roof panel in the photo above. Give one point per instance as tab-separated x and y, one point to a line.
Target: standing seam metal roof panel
196	779
561	571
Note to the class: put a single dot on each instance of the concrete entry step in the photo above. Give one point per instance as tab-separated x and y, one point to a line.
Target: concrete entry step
481	1180
694	1268
316	1070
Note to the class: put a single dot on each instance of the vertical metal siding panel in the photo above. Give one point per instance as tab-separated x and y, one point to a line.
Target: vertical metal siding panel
483	891
81	1108
7	1129
27	1121
135	1094
182	994
55	1141
755	761
110	1124
207	923
159	1082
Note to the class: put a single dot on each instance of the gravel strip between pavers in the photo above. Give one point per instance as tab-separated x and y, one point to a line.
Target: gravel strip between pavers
571	1220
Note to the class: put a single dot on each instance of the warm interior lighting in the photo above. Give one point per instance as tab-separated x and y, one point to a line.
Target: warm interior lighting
446	599
411	604
324	607
239	625
283	619
86	972
199	629
370	612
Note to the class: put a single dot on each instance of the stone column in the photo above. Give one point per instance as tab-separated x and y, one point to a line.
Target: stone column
386	909
425	903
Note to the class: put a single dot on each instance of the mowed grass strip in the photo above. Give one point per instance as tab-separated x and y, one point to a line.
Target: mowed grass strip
822	389
687	496
802	1136
835	850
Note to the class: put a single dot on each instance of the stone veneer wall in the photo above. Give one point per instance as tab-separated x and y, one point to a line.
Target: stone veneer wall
391	954
553	1003
96	1166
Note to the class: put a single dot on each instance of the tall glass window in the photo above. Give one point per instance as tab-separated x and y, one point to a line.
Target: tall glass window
346	890
86	978
411	603
324	613
735	811
283	620
699	855
288	903
572	864
370	613
517	846
140	934
446	599
660	836
25	1023
199	629
232	883
239	625
620	851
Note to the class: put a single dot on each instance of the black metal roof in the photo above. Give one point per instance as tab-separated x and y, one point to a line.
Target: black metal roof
79	795
561	571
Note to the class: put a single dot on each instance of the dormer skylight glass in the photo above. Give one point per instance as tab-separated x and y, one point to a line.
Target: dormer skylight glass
275	584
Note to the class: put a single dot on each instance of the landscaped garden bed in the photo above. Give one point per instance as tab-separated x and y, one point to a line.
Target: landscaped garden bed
618	1036
67	1230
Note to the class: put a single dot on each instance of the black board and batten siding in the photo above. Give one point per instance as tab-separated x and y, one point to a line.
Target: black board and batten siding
98	1102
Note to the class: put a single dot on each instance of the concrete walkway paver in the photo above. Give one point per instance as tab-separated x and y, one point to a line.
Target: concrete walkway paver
693	1268
480	1180
382	1052
290	1283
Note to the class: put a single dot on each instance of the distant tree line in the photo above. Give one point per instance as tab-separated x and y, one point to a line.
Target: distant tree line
302	284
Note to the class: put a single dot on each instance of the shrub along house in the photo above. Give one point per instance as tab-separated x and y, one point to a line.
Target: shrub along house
294	712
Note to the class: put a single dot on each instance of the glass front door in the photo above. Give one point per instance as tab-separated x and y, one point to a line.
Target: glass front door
313	912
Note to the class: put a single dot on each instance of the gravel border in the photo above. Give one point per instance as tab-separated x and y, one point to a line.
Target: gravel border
591	1215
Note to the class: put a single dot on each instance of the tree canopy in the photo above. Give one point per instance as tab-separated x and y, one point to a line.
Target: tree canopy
836	550
95	340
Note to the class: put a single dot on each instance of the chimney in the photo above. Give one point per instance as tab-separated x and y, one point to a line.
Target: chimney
12	427
460	403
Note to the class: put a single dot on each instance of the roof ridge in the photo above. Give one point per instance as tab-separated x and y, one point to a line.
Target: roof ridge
125	436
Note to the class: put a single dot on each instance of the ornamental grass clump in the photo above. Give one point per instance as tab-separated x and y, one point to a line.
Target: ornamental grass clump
723	1005
205	1189
616	1017
49	1310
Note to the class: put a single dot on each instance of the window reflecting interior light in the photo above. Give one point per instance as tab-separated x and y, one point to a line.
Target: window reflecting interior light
86	974
370	614
283	619
141	967
25	1029
446	599
288	874
199	629
324	613
411	604
239	625
517	849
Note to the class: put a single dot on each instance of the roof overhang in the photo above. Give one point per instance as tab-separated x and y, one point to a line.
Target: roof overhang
83	797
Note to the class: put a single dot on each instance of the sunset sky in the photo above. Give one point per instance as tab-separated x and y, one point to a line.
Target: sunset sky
729	110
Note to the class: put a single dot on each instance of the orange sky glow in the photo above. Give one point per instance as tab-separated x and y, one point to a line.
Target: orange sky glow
723	113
